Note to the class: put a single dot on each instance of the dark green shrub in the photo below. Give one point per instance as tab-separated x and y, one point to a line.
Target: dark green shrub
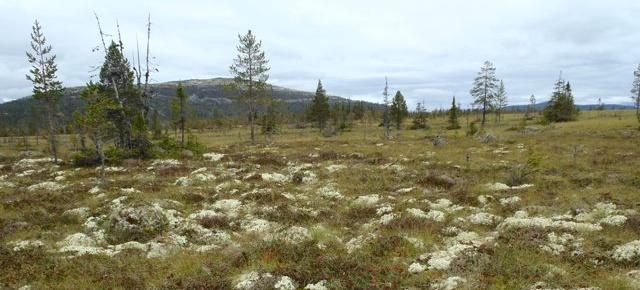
85	158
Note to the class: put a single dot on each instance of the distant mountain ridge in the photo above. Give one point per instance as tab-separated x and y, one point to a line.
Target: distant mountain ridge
540	106
204	96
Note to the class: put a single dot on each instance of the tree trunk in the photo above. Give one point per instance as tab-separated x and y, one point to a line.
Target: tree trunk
52	134
182	122
252	108
83	142
484	113
182	132
485	101
251	124
100	149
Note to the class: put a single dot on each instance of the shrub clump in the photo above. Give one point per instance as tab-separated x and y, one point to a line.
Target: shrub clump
85	158
141	224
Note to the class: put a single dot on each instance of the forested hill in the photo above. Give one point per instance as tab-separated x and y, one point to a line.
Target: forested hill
205	95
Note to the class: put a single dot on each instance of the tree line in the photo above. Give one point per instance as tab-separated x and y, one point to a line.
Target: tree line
117	107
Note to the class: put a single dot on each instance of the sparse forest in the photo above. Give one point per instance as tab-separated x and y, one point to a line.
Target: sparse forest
238	183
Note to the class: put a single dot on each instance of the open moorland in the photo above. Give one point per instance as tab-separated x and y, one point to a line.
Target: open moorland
516	207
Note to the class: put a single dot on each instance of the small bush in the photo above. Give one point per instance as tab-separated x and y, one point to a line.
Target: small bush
463	196
85	158
329	155
170	148
329	132
215	222
417	125
360	213
390	246
473	129
140	224
407	222
518	174
438	180
115	155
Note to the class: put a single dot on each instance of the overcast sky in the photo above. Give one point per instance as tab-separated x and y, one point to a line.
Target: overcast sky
430	50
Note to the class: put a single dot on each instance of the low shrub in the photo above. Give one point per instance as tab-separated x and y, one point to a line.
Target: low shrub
167	147
85	158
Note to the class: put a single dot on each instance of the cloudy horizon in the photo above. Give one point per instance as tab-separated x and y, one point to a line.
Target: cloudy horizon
430	50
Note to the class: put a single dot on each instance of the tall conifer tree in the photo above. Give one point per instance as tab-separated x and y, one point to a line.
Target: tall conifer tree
500	101
399	109
453	116
484	88
251	72
561	107
46	87
320	107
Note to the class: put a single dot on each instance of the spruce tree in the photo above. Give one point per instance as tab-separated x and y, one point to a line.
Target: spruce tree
500	101
46	87
552	109
250	69
399	109
117	82
179	111
484	88
270	117
320	107
569	109
453	116
561	107
419	118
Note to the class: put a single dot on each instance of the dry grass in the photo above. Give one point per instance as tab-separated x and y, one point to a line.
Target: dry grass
350	225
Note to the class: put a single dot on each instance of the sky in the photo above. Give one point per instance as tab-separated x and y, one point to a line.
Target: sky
429	50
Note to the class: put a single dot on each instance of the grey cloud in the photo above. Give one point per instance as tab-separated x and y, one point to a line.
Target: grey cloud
430	50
